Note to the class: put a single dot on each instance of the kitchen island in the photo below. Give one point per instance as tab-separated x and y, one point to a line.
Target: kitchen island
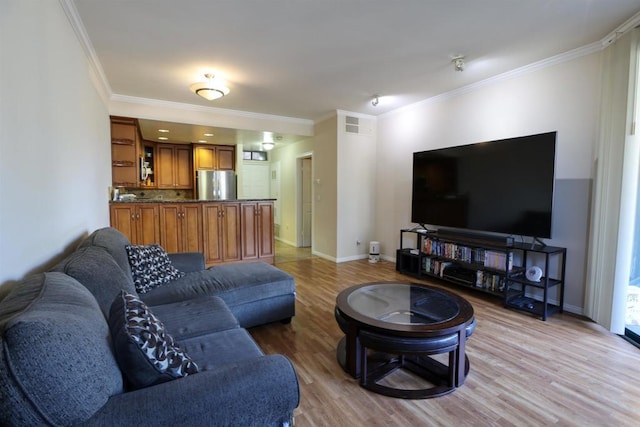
224	230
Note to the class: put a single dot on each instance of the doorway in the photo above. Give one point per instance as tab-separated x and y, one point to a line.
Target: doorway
632	314
630	222
304	205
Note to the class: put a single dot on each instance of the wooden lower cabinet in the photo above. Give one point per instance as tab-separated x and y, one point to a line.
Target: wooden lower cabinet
181	227
257	231
138	221
221	232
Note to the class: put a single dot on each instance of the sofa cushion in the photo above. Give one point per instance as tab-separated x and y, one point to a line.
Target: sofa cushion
211	351
56	362
114	242
235	283
150	267
195	317
96	269
146	352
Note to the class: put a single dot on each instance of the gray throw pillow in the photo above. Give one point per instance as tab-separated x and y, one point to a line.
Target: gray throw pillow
150	267
146	352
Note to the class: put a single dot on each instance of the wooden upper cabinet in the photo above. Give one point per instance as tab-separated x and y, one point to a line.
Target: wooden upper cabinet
204	157
183	169
226	155
173	166
214	157
124	152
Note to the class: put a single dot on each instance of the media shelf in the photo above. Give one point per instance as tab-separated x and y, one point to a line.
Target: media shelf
490	265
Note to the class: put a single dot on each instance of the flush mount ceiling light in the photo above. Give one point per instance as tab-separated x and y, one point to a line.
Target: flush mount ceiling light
458	63
212	89
267	141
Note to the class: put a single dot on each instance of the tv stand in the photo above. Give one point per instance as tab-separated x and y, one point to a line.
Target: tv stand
490	264
418	227
536	239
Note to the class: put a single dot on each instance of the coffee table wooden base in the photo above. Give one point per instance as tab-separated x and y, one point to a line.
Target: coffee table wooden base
374	366
430	370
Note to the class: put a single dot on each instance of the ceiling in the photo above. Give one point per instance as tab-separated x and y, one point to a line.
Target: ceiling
305	59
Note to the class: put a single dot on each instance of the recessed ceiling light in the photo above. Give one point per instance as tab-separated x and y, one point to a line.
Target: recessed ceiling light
163	130
208	134
162	138
202	140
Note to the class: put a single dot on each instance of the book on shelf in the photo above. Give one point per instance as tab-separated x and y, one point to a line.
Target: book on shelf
498	260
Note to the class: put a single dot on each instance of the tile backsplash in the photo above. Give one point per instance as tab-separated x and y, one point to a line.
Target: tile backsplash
151	193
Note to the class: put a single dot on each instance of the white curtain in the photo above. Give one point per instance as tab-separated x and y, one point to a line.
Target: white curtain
614	191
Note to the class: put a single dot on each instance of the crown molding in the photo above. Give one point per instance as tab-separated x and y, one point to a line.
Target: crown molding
99	78
517	72
612	37
210	110
628	25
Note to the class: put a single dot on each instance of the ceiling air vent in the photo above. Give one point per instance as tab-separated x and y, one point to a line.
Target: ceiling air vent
352	124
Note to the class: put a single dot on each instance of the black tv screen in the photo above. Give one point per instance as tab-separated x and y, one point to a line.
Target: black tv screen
503	186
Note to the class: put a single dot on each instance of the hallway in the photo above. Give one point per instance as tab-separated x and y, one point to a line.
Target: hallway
288	253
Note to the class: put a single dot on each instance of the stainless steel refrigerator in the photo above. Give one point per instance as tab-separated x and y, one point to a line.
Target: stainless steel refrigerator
216	185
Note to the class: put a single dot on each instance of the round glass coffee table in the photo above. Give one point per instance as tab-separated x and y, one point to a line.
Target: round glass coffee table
393	325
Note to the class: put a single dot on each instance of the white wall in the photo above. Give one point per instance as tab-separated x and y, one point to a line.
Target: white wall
325	185
563	97
356	171
54	140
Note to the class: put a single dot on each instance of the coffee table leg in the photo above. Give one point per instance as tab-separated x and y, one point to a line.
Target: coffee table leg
348	352
353	351
460	364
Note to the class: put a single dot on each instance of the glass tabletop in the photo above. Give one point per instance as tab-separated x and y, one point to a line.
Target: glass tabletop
405	304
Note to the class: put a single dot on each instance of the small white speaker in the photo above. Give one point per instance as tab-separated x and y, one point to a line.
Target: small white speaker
534	273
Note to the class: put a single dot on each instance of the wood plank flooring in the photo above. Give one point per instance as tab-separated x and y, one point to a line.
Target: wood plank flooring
566	371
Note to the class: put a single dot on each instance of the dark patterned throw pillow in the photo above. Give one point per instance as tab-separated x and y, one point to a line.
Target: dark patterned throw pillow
150	267
145	351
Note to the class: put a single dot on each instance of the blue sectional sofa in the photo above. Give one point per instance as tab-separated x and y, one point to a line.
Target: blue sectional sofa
67	356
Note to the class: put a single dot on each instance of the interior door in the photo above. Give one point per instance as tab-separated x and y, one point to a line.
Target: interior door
306	202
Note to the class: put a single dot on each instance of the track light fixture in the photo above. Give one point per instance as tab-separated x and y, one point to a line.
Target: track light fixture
375	101
458	63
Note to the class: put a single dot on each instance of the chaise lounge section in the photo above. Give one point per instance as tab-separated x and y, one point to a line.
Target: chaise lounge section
257	293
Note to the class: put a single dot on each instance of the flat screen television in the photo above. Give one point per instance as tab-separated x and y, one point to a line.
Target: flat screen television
503	186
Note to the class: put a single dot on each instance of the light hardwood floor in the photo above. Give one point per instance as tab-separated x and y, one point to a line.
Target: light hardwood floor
566	371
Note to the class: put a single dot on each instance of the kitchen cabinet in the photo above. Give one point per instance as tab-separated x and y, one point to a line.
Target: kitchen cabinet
257	231
137	221
221	223
124	152
214	157
174	166
181	227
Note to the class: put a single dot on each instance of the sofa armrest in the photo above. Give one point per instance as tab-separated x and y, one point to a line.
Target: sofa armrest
259	392
188	261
